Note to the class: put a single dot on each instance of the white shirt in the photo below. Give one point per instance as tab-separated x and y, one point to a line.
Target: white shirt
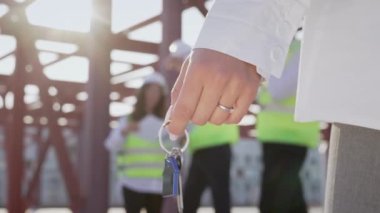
339	70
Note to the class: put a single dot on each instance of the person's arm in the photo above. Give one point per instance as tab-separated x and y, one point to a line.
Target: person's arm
240	42
116	138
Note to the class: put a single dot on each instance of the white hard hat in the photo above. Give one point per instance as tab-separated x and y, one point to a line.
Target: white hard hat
156	78
179	49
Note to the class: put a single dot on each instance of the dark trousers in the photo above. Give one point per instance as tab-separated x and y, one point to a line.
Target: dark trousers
281	187
135	201
209	167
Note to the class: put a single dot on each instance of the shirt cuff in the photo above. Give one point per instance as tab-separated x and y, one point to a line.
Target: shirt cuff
261	39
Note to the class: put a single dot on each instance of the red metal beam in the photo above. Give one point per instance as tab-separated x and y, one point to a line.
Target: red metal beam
15	136
94	159
57	140
120	41
142	24
55	134
95	45
30	196
200	4
68	172
171	19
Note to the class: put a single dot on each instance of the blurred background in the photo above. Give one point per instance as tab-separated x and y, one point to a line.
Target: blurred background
68	70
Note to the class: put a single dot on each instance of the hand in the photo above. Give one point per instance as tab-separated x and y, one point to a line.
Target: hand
208	79
131	127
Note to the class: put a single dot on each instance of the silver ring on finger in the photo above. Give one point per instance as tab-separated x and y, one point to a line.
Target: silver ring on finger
226	109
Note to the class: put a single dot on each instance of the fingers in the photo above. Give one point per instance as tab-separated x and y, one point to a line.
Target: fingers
242	105
186	102
175	93
211	95
229	98
209	78
178	84
248	95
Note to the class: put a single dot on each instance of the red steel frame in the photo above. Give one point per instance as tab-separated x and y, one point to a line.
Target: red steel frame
86	180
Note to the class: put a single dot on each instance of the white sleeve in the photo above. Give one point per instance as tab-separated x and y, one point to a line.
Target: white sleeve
115	139
258	32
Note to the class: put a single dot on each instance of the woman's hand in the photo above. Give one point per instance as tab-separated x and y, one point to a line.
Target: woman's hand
210	84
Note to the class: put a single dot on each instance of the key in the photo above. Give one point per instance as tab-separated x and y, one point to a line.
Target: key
180	193
171	177
172	180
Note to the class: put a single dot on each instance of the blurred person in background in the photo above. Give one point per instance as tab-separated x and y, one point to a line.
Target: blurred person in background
139	156
210	147
285	142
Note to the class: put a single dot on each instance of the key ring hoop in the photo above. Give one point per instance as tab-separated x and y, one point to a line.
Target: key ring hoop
162	144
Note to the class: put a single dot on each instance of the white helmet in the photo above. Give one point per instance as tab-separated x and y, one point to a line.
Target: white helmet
179	49
157	78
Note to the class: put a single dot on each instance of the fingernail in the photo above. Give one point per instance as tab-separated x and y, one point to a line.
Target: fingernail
173	137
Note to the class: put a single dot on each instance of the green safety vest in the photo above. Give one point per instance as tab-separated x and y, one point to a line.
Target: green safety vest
275	123
210	135
140	159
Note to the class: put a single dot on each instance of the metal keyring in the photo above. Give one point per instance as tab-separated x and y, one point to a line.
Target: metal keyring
161	143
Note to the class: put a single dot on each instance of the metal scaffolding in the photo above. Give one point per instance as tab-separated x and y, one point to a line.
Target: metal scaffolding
86	178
